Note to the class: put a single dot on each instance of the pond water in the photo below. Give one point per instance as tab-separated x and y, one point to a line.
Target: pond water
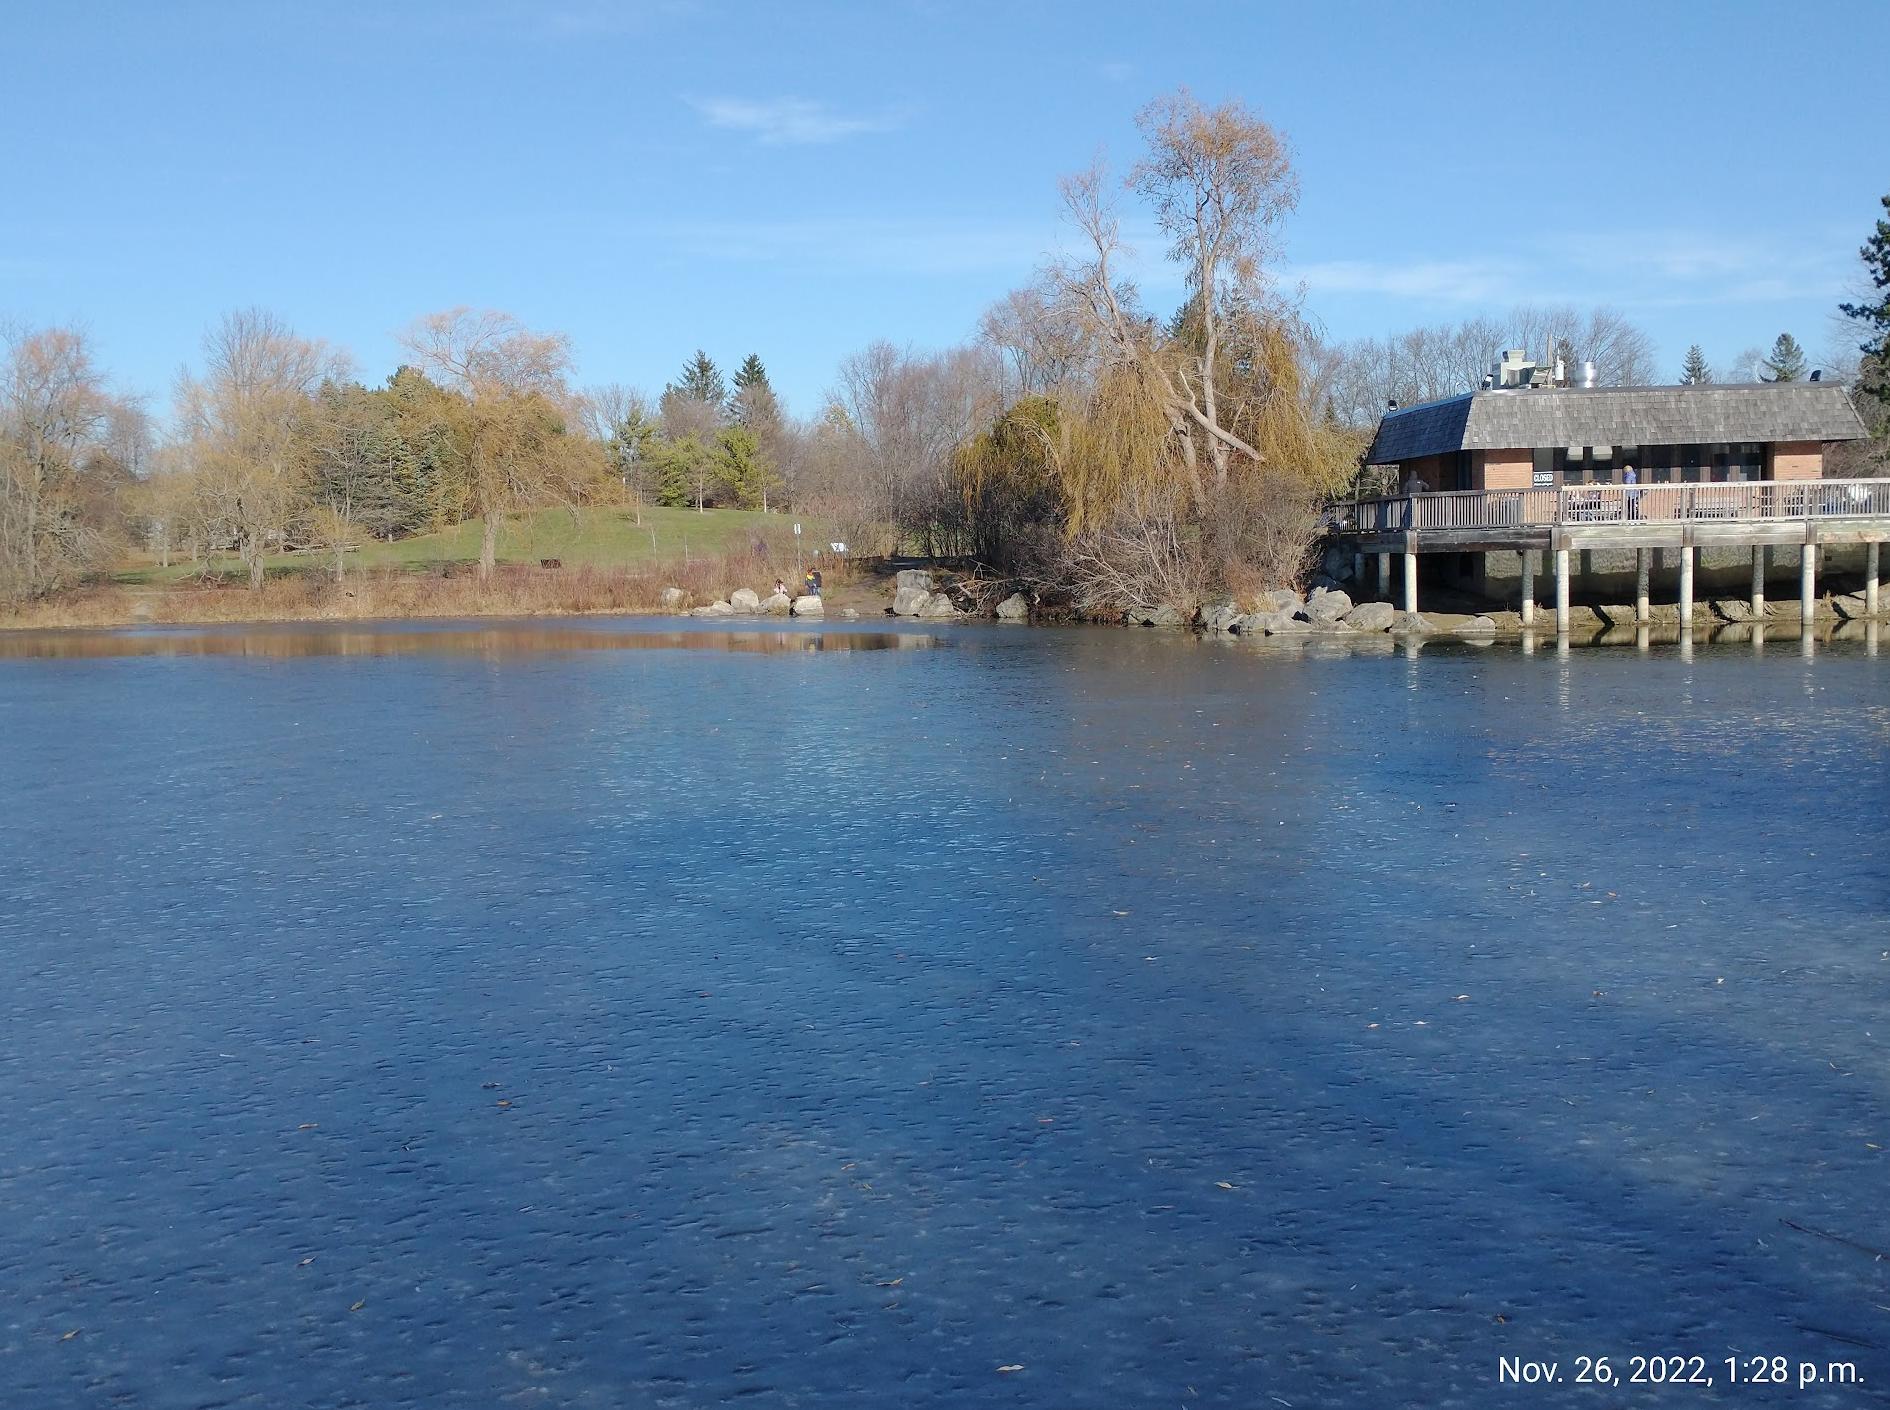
602	1014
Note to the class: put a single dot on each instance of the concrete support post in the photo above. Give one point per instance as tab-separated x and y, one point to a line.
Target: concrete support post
1643	609
1870	579
1358	568
1384	576
1529	588
1758	584
1686	588
1410	582
1561	591
1807	582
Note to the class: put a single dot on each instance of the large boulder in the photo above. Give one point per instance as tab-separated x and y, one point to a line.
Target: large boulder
672	597
714	609
910	601
937	605
1479	625
1727	609
850	613
1658	613
1327	607
1013	608
1852	605
1278	600
1412	624
1222	616
1371	617
1272	624
808	606
777	604
917	578
745	600
1460	623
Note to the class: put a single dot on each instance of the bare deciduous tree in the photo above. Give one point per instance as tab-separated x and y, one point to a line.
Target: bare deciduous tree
910	411
61	435
241	420
517	408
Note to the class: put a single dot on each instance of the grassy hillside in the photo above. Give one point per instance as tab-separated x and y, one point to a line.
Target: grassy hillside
603	537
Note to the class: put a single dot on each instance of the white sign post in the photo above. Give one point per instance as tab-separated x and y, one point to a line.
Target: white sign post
798	584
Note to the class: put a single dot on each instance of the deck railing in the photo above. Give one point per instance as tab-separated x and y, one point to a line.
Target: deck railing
1618	504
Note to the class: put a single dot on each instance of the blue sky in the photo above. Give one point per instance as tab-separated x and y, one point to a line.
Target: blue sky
799	179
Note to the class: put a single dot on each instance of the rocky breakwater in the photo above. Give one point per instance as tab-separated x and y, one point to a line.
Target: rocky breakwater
743	602
1282	612
914	596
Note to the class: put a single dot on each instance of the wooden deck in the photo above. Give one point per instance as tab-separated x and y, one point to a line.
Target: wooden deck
1755	513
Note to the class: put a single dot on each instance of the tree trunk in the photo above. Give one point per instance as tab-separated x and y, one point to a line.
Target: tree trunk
252	550
489	547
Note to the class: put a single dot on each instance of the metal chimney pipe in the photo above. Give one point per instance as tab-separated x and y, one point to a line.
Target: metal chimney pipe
1588	374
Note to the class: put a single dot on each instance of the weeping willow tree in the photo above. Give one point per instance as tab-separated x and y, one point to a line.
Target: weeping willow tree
1190	459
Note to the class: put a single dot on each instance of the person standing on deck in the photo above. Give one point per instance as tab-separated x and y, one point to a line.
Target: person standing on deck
1633	482
1414	485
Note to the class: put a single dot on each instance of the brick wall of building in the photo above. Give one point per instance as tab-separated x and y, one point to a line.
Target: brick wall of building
1505	469
1797	460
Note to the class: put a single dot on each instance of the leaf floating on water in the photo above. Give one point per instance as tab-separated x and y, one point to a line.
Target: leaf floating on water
306	1261
1460	998
307	1126
503	1102
358	1306
1007	1370
1223	1184
71	1334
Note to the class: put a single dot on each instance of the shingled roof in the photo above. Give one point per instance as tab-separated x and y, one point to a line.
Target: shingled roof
1522	418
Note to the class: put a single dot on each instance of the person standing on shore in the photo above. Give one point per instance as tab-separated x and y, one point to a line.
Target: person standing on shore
813	582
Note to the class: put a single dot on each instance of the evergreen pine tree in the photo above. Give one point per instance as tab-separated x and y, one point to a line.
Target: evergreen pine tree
1787	360
1694	370
740	467
751	373
702	381
753	405
671	471
1873	377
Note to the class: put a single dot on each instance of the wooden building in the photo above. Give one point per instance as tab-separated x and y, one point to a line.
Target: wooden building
1496	483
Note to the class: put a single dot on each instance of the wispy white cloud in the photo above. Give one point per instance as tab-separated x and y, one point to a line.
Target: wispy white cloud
789	121
1695	266
1625	268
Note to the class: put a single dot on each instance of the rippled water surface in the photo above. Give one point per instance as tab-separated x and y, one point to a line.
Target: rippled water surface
498	1015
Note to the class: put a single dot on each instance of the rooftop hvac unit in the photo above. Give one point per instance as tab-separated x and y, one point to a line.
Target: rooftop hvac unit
1513	369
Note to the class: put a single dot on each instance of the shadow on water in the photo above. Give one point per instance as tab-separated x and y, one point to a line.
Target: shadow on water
408	639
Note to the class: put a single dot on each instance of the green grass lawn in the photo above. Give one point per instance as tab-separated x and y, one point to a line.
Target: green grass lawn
603	537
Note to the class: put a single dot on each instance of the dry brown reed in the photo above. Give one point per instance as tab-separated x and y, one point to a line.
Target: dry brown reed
514	590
